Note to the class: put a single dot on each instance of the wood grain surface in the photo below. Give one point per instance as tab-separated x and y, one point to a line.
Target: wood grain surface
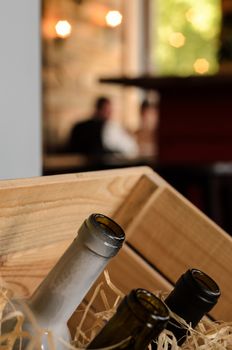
165	233
44	210
177	236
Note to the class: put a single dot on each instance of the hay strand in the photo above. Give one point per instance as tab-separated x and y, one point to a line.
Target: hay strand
207	336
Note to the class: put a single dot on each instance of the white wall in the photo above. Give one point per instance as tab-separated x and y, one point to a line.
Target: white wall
20	96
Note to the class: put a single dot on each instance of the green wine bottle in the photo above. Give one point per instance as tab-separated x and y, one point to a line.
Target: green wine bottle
140	317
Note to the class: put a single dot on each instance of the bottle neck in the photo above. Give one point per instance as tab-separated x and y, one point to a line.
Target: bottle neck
131	328
66	285
194	295
99	238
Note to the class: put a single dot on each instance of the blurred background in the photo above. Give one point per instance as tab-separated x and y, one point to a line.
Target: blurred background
86	40
154	76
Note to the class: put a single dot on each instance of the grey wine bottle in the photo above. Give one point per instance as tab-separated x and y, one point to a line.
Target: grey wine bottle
140	317
98	240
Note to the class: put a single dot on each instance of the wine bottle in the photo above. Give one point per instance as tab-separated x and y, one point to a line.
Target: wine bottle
139	318
194	295
99	238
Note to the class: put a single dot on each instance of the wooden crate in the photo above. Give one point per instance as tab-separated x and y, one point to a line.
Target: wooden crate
166	234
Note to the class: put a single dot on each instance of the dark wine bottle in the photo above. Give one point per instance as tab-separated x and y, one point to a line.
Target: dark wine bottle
194	295
140	317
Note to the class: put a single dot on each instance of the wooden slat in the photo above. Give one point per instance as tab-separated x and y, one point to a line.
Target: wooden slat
173	235
23	271
40	211
135	201
138	201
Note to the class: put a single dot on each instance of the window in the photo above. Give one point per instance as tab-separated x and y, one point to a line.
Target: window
185	36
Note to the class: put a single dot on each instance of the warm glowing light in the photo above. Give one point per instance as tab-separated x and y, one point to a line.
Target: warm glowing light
200	18
113	18
190	15
200	22
176	39
63	29
201	65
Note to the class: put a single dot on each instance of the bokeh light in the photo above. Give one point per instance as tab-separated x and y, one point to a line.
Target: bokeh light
176	39
201	66
63	29
113	18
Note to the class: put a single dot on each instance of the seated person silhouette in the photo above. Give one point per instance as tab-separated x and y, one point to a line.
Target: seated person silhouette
101	135
86	136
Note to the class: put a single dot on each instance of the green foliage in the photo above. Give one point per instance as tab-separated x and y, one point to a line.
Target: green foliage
199	22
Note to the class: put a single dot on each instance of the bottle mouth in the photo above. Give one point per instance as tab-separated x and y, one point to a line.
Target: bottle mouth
102	235
110	227
200	285
147	306
205	282
194	295
110	231
206	286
